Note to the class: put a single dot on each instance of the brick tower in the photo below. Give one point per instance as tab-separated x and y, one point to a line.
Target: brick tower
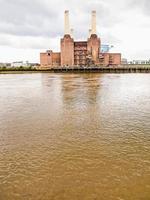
79	53
67	44
94	43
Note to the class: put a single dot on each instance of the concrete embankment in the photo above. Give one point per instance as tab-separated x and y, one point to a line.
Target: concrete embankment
74	69
110	69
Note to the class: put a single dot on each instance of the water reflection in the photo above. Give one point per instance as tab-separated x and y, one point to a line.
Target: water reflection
80	90
74	136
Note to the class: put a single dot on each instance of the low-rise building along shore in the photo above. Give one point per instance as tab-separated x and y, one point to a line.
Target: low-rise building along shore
79	53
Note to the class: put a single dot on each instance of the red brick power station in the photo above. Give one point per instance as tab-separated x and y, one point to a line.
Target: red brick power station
79	53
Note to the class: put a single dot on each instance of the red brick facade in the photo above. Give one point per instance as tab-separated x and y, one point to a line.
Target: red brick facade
67	51
82	53
50	59
93	47
107	59
79	54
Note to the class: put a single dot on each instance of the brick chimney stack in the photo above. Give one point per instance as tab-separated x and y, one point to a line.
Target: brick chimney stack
67	23
93	22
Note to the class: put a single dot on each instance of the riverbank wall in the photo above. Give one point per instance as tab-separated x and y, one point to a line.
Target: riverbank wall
74	69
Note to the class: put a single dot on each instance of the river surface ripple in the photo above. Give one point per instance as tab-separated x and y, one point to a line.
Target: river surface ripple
74	136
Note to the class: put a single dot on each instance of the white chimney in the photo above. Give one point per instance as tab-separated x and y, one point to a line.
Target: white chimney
67	23
90	31
72	31
93	22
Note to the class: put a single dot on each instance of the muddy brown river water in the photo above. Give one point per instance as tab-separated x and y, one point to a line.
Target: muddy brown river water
74	136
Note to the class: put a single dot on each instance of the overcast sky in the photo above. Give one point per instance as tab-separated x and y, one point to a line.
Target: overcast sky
28	27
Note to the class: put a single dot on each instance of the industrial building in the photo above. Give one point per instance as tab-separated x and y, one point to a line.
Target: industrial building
79	53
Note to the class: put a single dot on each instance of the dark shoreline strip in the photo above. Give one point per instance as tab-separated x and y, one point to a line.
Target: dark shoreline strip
84	70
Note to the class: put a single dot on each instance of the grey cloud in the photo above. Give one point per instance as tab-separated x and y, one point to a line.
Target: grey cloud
44	18
143	6
20	17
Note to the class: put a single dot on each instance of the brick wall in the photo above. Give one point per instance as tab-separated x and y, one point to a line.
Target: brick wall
67	51
115	59
46	59
93	47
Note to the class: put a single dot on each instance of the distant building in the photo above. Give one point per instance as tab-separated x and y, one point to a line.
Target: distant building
18	64
5	65
80	53
124	61
139	62
23	64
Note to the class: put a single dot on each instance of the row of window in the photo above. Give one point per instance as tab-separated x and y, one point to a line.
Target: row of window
80	57
80	49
